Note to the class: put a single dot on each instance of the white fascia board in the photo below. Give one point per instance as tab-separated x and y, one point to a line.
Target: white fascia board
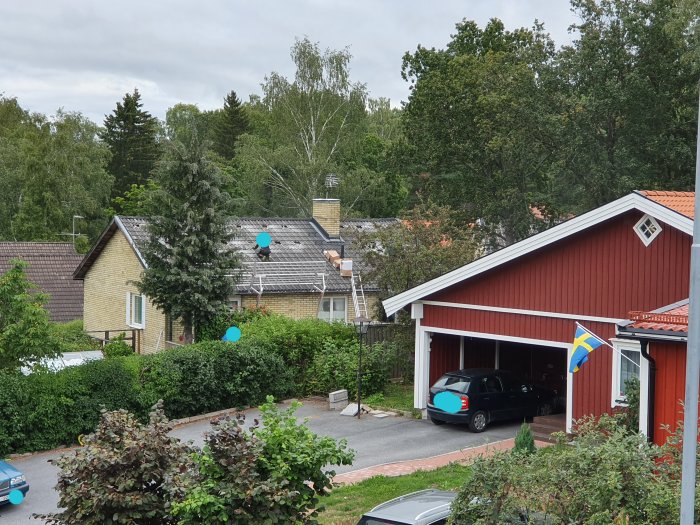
561	231
130	240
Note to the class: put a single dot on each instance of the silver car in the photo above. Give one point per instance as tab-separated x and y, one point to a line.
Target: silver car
425	507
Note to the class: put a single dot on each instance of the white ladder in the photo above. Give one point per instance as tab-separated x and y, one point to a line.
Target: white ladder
358	297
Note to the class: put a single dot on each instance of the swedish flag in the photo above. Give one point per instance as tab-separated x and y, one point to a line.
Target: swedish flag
584	343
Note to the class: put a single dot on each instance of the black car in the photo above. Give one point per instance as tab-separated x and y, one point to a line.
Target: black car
484	395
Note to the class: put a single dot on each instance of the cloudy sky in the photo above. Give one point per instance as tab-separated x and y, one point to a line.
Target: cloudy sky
84	55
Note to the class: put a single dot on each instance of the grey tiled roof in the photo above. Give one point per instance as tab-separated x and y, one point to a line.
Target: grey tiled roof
51	267
299	243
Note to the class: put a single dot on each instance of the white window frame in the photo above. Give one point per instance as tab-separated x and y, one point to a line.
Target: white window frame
638	229
628	345
235	303
332	319
130	296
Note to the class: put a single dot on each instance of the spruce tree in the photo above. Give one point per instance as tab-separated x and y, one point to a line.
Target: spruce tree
132	137
189	261
229	124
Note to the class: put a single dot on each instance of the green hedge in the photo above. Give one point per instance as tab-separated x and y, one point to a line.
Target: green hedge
276	356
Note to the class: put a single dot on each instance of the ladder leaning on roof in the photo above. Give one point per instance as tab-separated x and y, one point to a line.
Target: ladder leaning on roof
358	297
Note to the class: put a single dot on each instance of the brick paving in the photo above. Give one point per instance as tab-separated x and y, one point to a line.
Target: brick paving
407	467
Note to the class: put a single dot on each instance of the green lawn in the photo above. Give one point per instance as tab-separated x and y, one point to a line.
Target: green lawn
395	395
346	504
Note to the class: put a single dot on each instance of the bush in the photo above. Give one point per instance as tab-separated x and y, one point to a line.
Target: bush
212	375
524	440
127	473
216	329
71	337
296	341
334	367
605	474
117	347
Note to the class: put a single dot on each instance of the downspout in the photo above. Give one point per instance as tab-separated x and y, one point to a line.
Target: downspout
644	347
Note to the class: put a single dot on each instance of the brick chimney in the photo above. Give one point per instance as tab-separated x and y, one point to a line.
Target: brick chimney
326	212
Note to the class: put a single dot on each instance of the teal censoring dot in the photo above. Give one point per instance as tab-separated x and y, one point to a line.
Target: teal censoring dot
232	334
448	401
263	239
16	497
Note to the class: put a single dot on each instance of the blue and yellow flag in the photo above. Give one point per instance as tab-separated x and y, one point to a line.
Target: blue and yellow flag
584	343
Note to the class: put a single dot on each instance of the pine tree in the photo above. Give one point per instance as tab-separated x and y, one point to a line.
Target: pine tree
189	262
229	124
132	137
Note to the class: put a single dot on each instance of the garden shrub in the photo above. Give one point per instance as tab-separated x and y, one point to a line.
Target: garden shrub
117	347
72	338
334	367
605	474
14	400
226	318
127	473
524	440
296	341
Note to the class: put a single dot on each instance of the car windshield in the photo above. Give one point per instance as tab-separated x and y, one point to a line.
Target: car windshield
458	384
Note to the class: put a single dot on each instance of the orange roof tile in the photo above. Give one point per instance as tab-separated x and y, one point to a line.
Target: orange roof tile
674	320
681	201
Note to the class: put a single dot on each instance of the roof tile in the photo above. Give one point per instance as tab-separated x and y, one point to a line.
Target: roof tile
681	201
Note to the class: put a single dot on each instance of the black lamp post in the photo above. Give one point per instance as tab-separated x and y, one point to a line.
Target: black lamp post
361	325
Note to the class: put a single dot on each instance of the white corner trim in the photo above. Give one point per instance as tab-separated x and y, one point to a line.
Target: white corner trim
536	313
569	390
130	240
633	201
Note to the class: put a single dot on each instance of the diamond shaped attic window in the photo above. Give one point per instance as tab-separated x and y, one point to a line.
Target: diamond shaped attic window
647	229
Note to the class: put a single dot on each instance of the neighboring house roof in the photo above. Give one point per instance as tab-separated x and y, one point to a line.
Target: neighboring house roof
671	320
646	202
681	201
51	267
299	243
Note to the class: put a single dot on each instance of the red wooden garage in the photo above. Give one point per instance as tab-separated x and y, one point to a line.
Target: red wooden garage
517	308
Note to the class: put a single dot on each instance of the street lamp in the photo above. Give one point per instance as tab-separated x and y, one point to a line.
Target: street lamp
73	234
361	325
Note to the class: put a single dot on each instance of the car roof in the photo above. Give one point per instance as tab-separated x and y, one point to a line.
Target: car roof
415	506
475	372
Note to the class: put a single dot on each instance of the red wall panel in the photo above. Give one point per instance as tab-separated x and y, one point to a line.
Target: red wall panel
444	355
670	386
605	271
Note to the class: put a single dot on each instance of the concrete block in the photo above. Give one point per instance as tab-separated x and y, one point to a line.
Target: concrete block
338	395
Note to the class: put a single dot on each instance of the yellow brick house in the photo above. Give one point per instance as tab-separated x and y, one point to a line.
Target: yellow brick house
313	271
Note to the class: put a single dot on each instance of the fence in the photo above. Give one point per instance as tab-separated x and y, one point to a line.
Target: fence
105	336
400	355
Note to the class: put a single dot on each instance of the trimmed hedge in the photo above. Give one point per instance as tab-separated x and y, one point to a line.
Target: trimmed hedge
276	356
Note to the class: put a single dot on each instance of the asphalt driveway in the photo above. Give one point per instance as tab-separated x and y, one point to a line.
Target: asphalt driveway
376	441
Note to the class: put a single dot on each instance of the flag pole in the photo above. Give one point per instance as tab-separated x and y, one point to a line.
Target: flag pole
608	344
692	366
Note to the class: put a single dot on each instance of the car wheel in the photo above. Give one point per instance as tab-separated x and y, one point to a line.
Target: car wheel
478	422
437	421
544	409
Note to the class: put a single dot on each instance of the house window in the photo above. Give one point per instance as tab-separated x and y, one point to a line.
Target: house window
626	365
647	229
135	310
234	303
333	309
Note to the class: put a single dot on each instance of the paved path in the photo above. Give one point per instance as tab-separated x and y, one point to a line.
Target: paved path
376	441
402	468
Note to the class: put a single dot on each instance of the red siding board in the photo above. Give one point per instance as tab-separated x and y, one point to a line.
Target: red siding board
670	386
605	271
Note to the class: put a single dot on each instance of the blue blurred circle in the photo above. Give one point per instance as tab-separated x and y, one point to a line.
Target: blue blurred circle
263	239
448	401
16	497
232	334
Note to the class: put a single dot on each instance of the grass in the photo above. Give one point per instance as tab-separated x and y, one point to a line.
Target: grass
398	396
344	505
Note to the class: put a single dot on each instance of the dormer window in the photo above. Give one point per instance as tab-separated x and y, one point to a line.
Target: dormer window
647	229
